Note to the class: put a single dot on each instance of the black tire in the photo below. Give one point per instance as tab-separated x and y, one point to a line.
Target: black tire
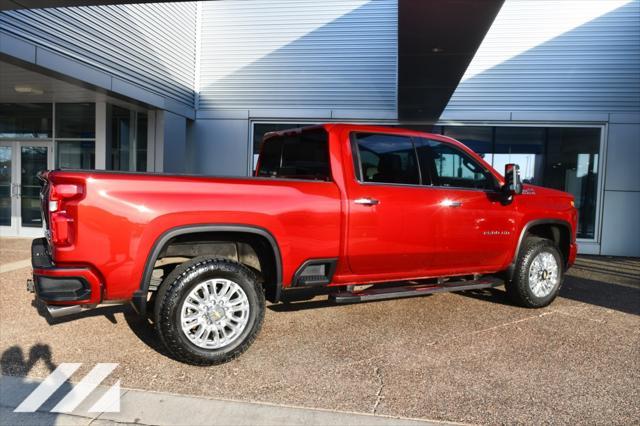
175	289
519	289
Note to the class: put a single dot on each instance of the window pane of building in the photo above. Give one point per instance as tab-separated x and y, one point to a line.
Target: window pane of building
303	156
260	129
75	154
141	142
523	146
572	166
119	140
478	138
5	185
26	121
33	160
76	120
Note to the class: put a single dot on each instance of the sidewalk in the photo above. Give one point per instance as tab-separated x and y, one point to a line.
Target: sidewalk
155	408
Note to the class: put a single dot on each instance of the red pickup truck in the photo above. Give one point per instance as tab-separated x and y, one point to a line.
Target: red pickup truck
338	205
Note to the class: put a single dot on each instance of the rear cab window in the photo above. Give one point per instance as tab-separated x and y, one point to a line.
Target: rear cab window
301	155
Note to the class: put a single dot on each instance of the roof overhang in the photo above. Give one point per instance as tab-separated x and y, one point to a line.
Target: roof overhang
436	43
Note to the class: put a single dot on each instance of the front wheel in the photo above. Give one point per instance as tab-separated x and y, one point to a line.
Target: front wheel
209	310
538	275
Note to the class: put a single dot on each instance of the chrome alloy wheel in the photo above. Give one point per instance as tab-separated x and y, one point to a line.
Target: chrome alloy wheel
544	274
214	313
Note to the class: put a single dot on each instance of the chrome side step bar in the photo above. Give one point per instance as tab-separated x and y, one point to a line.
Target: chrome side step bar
373	293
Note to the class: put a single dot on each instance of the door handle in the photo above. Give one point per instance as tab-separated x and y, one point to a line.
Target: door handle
367	201
450	203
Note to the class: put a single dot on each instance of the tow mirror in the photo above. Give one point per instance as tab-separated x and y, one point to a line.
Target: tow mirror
512	182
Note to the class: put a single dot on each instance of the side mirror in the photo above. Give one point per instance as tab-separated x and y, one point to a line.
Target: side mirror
512	182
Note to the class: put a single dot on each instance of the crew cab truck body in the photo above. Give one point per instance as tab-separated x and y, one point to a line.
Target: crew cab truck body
333	205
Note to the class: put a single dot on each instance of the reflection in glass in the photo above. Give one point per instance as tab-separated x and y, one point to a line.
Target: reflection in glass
523	146
33	159
5	185
120	139
260	129
478	138
76	121
141	142
75	155
572	166
25	121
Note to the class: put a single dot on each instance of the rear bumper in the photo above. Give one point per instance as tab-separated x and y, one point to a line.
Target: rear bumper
61	285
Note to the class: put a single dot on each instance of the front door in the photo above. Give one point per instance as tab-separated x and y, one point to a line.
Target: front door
476	227
19	186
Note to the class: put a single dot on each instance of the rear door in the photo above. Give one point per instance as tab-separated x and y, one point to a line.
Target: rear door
391	226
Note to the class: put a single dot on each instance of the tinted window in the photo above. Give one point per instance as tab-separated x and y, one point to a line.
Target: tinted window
449	166
301	156
386	159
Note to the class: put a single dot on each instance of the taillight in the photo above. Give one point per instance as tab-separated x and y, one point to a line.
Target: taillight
62	220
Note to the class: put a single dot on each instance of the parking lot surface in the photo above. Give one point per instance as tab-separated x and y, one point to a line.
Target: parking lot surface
466	357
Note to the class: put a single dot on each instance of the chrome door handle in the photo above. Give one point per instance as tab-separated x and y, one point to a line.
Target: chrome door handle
367	201
451	203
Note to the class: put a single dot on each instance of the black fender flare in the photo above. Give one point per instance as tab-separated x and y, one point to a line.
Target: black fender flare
512	266
139	298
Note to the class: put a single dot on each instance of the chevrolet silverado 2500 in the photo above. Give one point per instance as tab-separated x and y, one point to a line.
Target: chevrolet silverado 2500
335	205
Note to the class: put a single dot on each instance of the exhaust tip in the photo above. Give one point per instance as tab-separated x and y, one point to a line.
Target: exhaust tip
63	311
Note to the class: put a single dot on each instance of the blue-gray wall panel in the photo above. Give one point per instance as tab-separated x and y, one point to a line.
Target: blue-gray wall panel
621	227
221	147
623	158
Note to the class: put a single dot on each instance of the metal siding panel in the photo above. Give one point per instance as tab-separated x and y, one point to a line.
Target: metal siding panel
592	65
148	45
336	54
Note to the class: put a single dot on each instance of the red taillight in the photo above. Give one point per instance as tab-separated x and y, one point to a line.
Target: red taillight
61	215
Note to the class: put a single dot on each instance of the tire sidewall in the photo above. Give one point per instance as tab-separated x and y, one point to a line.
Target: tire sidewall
543	246
212	270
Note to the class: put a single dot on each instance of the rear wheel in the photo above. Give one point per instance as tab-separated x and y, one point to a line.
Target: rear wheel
538	275
209	310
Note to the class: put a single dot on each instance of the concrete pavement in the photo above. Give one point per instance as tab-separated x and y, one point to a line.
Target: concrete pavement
469	357
157	408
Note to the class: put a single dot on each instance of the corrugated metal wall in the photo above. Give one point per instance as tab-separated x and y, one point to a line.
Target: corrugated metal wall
299	54
149	45
556	55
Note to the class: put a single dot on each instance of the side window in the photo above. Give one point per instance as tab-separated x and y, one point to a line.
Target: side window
449	166
386	159
301	156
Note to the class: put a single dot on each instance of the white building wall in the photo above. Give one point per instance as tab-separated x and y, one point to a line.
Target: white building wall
335	57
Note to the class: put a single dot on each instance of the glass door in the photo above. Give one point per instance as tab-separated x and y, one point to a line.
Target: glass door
20	163
8	224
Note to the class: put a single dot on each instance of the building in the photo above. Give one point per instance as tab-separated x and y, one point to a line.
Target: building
193	86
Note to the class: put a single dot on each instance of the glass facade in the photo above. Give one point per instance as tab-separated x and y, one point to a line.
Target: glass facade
6	171
26	121
126	139
76	154
564	158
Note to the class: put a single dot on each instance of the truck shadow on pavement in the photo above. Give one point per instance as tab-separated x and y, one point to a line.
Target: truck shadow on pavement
617	297
141	326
